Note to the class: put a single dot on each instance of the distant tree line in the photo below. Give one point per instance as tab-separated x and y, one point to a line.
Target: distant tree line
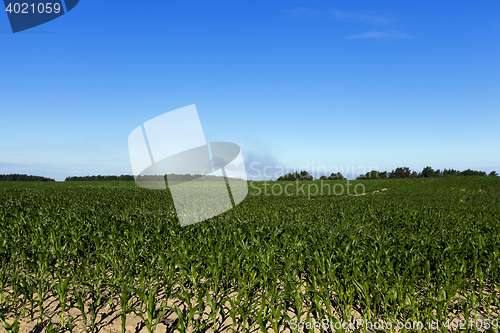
398	173
24	178
304	175
427	172
188	177
98	178
172	177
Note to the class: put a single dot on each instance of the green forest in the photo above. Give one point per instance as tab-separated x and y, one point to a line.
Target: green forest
398	173
24	178
427	172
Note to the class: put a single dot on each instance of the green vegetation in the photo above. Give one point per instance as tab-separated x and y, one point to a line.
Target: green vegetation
98	178
427	172
304	175
174	177
407	250
24	178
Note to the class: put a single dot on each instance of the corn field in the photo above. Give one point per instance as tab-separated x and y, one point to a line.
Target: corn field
111	257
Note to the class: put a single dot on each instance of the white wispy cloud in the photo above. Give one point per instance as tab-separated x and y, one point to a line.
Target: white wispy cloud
380	35
382	21
369	18
366	17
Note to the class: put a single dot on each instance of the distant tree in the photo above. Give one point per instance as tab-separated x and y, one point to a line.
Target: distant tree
373	174
288	177
323	177
303	175
428	172
470	172
336	176
450	172
401	172
493	174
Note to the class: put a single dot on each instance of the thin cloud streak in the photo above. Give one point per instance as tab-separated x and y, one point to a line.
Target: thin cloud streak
367	18
380	35
360	17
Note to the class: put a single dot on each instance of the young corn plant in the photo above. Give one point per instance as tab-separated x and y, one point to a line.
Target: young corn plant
28	290
62	291
80	304
10	328
149	305
3	282
185	317
214	302
125	301
96	301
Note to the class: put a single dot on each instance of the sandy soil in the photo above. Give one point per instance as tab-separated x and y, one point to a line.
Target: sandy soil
109	320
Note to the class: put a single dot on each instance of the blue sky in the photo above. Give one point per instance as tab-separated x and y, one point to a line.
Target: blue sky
347	84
